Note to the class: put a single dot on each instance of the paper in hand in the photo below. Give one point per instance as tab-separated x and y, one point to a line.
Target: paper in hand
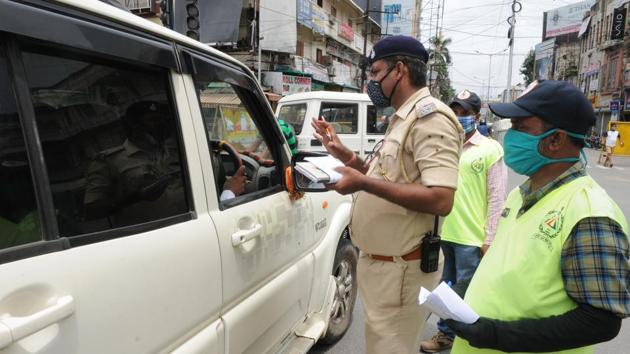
446	304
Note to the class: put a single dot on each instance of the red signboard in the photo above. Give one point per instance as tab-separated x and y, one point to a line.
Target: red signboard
346	32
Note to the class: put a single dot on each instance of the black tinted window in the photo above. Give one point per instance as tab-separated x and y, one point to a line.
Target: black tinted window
19	221
110	142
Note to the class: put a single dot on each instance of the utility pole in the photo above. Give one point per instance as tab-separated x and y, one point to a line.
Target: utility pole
516	8
366	24
490	55
256	28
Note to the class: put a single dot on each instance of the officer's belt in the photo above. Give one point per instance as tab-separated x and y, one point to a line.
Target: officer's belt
411	256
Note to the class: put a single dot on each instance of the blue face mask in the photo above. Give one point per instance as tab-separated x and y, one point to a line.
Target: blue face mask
521	151
468	123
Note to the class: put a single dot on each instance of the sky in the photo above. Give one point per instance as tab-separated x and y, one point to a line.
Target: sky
481	25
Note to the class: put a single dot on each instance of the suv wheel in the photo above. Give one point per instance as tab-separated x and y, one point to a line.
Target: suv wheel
345	273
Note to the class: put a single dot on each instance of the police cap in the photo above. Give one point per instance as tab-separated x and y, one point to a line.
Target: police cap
398	45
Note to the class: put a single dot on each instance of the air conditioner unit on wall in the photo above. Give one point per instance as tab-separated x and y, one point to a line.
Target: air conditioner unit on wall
328	60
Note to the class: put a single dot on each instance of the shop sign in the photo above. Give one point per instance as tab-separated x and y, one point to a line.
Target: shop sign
295	84
618	23
614	105
346	32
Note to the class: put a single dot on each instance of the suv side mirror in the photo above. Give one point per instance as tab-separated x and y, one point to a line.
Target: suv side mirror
301	182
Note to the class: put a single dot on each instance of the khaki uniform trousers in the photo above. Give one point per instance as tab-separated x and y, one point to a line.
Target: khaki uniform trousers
389	292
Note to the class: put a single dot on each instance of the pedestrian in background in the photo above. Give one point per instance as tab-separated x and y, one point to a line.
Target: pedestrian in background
556	276
469	229
611	141
409	179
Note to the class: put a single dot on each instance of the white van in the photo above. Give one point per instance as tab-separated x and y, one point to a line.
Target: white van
117	139
359	124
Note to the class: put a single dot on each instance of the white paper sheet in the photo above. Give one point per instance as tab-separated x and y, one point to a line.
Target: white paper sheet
328	165
446	304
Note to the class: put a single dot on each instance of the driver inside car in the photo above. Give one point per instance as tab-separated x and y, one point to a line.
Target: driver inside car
140	177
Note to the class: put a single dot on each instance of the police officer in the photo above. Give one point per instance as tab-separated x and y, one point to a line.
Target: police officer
556	276
141	179
410	178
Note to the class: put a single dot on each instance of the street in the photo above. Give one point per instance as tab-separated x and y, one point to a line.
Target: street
610	179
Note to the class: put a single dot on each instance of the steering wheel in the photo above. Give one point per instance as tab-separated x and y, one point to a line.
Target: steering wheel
217	146
251	165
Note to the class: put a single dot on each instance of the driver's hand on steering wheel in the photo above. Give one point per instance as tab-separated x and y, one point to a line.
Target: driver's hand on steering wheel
236	183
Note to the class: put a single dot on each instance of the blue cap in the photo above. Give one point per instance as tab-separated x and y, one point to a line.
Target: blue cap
468	100
558	103
398	45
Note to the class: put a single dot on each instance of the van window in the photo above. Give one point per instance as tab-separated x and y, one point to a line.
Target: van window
378	119
110	141
19	220
294	115
344	117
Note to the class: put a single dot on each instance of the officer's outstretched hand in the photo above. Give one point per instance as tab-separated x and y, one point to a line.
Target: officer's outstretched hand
324	132
481	334
352	181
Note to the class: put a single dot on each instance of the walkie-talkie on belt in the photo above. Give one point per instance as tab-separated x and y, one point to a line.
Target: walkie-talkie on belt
430	249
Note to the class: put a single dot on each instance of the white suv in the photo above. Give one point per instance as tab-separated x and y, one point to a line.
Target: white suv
118	138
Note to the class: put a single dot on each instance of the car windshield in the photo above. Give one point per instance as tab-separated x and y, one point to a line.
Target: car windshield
293	114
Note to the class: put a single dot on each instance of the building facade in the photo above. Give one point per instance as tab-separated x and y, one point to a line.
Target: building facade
604	74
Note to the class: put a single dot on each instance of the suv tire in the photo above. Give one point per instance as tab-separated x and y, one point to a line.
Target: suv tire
345	274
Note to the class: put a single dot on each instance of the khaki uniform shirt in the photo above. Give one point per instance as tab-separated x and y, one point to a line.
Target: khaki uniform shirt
119	174
430	156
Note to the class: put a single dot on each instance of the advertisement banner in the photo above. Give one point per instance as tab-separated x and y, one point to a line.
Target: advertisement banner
398	17
346	32
543	60
305	13
278	25
618	23
566	19
320	20
284	84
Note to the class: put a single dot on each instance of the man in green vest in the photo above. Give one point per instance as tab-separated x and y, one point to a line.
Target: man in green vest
556	276
469	229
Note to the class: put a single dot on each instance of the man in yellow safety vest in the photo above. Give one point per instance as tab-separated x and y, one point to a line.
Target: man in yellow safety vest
556	276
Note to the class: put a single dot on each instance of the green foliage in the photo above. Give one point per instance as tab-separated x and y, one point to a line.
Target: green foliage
527	69
440	58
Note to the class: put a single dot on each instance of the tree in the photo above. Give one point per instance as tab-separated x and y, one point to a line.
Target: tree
527	69
439	60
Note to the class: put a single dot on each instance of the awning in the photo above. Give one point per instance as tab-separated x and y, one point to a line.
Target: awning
296	73
584	26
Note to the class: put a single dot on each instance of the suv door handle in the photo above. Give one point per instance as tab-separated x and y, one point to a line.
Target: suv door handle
371	140
242	236
21	327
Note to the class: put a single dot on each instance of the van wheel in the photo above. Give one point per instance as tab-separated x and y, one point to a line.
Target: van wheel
345	274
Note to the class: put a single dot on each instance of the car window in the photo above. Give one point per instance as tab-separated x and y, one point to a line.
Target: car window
110	142
344	117
294	115
378	119
19	220
234	136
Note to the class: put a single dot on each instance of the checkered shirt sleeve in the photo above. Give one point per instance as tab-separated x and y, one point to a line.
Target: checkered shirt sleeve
596	265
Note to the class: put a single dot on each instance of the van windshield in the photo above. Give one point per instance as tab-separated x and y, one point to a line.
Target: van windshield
293	114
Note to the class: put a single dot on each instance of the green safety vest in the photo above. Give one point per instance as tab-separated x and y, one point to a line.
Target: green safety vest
520	276
465	225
